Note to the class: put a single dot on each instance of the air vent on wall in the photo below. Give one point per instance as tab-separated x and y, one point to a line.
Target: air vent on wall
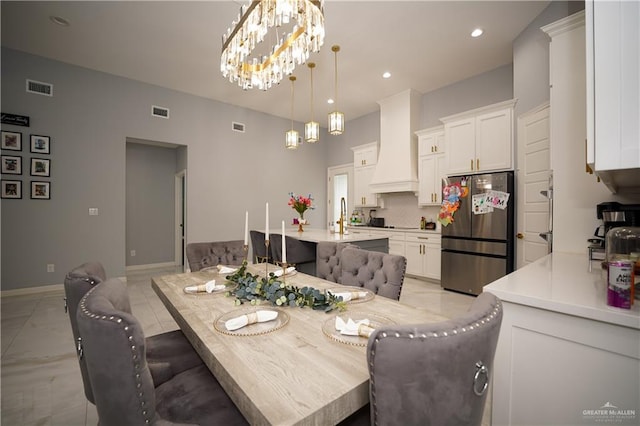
158	111
39	88
237	127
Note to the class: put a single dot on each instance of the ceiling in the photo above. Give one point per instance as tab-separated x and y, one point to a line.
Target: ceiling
176	44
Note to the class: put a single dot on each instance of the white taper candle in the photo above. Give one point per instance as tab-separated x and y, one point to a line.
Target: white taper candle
266	226
246	228
284	245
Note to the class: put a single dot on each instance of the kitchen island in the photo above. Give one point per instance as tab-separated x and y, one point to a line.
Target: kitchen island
364	240
564	357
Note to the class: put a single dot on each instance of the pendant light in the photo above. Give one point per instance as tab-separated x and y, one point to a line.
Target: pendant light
291	137
311	128
336	118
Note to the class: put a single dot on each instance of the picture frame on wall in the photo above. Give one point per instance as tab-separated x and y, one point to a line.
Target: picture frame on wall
40	144
11	188
40	167
11	140
40	190
11	164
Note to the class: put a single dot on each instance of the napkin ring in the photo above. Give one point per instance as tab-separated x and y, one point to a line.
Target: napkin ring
252	318
365	330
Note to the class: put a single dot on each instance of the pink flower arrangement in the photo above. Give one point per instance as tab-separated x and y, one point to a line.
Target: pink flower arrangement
300	203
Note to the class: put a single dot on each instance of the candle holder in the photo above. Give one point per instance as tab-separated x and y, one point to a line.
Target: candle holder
266	263
284	266
245	251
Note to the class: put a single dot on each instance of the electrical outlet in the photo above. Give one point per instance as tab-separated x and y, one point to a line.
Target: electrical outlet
51	267
93	211
133	253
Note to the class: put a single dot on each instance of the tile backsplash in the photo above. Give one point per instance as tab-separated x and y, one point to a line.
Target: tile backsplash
401	209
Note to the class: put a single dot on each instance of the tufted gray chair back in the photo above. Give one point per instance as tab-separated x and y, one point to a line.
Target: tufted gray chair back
206	255
381	273
76	284
328	254
114	351
434	374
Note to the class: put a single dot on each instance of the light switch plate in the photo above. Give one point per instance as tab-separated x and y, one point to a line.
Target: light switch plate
93	211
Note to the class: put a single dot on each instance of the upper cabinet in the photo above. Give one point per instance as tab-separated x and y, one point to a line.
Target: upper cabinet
431	165
480	140
365	158
613	91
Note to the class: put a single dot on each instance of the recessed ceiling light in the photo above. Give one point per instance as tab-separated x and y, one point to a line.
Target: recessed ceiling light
59	20
477	32
329	101
386	74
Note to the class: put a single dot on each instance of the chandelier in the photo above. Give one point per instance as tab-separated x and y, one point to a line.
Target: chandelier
254	22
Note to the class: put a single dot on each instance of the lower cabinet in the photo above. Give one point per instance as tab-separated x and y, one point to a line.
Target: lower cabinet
423	255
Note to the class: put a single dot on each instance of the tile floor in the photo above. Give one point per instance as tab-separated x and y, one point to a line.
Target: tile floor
40	379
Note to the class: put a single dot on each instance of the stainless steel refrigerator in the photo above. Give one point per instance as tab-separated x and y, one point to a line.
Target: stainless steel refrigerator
478	246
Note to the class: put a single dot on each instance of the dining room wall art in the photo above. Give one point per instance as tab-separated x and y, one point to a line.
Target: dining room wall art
11	189
11	140
40	190
40	167
40	144
11	165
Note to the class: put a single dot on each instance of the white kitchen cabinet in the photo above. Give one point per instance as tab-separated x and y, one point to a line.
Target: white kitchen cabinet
423	254
364	165
480	140
613	84
396	243
431	165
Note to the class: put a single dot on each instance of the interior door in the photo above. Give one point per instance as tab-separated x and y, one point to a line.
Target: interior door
533	173
339	184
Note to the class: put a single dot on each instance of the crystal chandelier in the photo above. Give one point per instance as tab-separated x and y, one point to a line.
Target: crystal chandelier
291	137
336	118
311	128
253	24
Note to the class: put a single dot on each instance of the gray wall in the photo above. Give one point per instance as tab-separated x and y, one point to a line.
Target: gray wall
150	204
89	120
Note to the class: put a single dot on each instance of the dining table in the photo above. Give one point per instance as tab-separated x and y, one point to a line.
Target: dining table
294	370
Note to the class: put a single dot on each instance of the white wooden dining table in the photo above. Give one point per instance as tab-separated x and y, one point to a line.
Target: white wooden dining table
294	371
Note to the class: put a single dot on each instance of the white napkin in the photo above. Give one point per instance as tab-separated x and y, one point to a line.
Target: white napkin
226	269
351	295
289	270
209	287
252	318
354	328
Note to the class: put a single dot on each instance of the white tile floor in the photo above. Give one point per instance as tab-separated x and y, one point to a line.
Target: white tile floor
41	382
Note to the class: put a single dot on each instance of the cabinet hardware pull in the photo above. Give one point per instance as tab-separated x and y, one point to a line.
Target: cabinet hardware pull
520	235
423	238
432	149
435	149
477	164
472	164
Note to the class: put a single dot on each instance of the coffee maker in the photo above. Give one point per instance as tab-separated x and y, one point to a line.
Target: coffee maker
614	215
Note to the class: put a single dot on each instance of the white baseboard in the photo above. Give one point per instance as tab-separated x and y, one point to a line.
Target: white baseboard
150	266
32	290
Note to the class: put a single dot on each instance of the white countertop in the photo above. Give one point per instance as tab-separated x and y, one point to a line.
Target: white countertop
561	282
361	229
317	235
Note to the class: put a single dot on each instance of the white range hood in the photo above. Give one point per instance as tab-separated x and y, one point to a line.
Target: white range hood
397	167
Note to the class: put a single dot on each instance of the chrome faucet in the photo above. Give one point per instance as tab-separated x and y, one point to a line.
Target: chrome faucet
343	213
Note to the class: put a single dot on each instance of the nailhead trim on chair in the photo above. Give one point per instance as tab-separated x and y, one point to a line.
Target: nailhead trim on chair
134	350
486	320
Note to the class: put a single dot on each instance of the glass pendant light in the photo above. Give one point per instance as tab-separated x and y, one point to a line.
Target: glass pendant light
291	137
311	128
336	118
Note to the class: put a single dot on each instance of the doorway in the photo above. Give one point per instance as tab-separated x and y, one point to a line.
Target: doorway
339	185
180	215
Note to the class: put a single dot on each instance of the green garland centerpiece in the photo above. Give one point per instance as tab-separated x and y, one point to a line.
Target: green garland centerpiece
253	289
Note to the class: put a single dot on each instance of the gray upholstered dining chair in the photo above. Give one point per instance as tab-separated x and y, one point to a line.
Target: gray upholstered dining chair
114	350
167	353
208	254
381	273
434	374
258	247
328	258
